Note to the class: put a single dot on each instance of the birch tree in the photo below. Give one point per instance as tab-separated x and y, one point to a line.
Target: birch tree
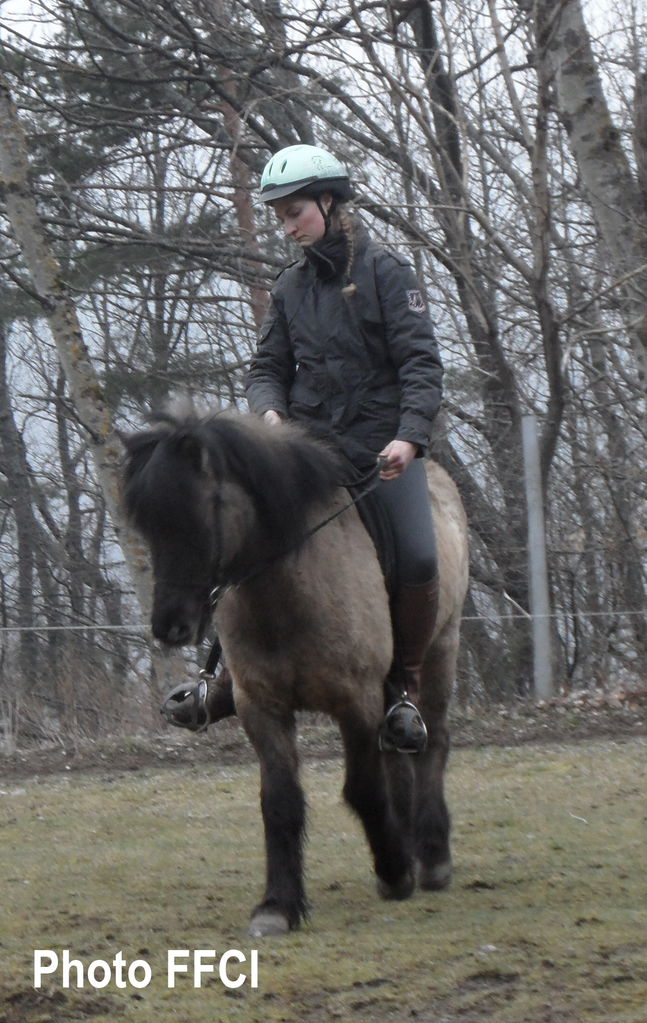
47	287
569	68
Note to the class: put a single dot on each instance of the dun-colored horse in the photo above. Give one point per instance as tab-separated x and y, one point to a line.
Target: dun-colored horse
305	625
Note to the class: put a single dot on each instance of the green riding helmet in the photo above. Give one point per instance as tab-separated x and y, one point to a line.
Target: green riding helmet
305	169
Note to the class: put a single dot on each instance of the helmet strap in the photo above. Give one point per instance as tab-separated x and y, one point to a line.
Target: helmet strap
325	213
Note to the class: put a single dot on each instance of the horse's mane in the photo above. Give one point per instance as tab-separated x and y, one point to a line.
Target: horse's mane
282	468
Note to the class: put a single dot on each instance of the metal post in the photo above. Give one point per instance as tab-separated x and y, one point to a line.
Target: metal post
539	598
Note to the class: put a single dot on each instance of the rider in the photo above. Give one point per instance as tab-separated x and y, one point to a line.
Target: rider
347	349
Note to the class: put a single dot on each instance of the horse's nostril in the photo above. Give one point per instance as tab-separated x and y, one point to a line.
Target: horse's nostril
174	634
178	634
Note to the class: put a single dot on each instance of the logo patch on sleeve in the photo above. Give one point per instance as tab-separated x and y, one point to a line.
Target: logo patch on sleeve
416	301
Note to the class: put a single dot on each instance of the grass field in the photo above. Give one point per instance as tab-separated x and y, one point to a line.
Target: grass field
546	919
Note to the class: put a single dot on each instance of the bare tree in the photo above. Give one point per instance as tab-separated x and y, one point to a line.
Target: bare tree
486	140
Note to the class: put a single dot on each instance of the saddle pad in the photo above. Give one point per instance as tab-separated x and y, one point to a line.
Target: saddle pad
373	514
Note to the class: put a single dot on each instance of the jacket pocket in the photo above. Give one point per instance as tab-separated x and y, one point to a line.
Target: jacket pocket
303	393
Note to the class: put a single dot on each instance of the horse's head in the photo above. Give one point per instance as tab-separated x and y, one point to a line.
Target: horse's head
170	494
215	498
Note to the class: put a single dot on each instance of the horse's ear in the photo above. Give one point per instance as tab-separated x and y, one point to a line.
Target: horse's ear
190	448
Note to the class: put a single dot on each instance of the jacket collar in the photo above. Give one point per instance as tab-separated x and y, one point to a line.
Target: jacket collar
361	239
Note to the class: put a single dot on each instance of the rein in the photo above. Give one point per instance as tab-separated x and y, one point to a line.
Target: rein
369	481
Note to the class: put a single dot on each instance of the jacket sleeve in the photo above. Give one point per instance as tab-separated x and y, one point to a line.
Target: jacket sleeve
272	367
412	347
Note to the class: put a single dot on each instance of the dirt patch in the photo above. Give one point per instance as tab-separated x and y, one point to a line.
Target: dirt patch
30	1005
578	716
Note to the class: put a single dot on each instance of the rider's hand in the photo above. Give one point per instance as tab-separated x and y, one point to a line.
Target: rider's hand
272	418
398	454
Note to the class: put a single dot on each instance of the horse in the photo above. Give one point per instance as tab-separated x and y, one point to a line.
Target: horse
257	512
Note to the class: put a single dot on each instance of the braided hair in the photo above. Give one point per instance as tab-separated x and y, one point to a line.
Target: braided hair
345	215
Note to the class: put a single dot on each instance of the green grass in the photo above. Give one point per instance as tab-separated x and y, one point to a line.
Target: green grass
546	918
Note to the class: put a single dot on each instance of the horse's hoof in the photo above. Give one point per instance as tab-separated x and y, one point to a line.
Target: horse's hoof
434	879
267	923
402	889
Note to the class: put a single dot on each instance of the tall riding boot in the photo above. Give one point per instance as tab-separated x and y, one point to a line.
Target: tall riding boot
414	618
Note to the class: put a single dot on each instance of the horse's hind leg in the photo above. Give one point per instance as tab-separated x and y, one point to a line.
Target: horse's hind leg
431	816
283	808
367	793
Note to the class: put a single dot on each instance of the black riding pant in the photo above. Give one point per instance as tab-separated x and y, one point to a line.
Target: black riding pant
408	507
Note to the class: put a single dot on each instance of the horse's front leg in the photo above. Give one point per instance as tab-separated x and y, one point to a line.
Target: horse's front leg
387	827
283	808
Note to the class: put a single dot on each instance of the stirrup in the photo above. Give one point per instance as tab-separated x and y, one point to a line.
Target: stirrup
186	706
402	730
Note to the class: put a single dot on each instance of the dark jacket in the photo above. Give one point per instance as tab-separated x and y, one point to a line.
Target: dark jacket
357	371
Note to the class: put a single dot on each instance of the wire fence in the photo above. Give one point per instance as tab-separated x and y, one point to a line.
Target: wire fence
519	615
75	628
526	616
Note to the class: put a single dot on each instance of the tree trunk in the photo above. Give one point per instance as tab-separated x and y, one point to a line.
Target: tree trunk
49	288
15	468
567	62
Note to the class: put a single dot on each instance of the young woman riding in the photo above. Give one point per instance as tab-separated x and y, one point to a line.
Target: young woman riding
348	350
